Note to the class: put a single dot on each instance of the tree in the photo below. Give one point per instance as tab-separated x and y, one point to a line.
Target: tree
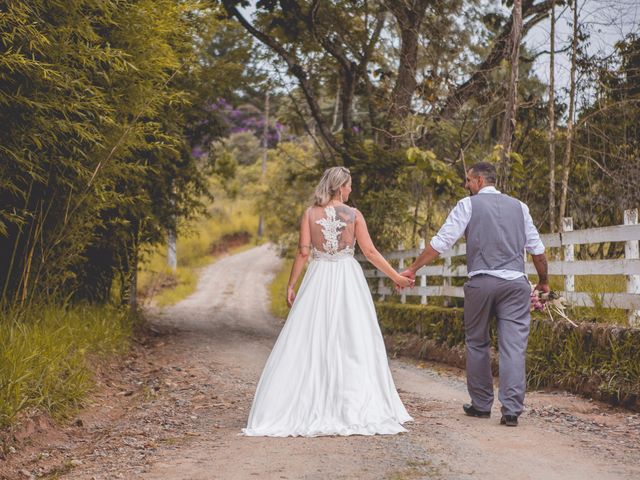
552	121
302	33
98	102
566	162
511	103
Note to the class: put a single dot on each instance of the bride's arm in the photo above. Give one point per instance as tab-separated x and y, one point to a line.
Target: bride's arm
304	249
369	250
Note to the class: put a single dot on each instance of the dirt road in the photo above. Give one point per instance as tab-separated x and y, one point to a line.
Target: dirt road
176	410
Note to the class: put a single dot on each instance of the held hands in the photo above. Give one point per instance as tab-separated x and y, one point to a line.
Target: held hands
291	295
409	274
405	280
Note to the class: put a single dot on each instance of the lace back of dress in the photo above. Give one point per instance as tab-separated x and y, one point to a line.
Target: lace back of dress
332	231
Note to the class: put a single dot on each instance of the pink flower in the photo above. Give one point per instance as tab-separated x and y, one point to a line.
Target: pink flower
537	303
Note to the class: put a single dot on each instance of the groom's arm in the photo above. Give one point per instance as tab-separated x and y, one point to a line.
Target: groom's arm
540	262
452	229
535	247
427	256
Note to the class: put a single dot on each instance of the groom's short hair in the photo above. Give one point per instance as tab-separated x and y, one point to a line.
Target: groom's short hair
486	170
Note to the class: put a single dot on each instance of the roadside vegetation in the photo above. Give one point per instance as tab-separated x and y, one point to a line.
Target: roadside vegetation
124	121
230	228
48	355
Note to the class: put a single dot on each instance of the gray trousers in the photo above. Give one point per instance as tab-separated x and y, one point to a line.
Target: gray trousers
486	296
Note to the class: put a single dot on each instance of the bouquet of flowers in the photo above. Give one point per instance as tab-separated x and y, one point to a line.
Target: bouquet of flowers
551	302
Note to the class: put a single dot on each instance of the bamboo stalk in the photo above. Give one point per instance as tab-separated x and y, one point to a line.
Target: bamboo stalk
5	287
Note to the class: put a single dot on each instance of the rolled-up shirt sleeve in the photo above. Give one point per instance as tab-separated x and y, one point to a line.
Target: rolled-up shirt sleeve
453	227
533	244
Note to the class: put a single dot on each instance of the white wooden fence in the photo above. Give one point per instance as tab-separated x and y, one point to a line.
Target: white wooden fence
569	268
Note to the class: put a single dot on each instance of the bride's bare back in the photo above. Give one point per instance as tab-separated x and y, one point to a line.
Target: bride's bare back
332	229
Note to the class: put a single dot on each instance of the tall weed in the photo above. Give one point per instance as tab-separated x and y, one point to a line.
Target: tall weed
45	355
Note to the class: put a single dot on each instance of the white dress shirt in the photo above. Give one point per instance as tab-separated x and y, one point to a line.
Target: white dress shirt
457	222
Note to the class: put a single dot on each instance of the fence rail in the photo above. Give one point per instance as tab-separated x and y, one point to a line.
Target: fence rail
569	268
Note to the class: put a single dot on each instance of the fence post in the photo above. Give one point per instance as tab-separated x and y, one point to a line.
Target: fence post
423	278
380	287
403	297
569	280
632	251
172	258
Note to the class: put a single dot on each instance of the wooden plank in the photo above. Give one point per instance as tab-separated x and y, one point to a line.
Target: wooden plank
398	254
456	251
586	267
615	233
551	240
430	290
627	301
590	267
431	270
443	271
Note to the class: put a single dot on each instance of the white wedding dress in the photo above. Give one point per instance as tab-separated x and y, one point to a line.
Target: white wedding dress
328	372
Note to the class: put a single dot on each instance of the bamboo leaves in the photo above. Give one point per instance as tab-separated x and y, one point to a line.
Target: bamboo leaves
95	100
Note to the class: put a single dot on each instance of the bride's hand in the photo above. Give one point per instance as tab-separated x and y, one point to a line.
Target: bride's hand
404	282
291	295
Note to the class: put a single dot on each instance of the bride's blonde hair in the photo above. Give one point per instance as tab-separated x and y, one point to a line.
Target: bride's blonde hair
332	179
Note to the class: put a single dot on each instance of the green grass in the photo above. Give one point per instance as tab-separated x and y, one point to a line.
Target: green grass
593	359
195	249
589	283
595	286
186	281
278	289
46	355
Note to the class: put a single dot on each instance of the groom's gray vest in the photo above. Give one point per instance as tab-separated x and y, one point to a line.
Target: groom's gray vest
495	234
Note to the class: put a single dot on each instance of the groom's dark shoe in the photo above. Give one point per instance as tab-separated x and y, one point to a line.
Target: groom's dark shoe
509	420
473	412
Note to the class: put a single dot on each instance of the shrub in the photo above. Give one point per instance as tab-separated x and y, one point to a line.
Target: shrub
598	360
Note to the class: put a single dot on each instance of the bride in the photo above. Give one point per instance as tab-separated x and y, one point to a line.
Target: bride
328	373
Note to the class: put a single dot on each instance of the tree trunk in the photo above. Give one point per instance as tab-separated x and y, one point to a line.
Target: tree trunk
336	109
552	123
511	104
409	18
132	266
265	153
347	93
566	162
479	79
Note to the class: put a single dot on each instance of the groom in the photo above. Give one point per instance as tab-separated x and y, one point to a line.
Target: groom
498	229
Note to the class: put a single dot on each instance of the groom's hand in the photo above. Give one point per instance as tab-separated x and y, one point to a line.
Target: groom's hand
542	287
409	274
403	282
